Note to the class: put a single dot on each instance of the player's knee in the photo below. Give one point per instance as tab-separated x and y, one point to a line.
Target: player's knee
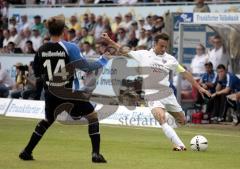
159	115
93	128
182	121
42	127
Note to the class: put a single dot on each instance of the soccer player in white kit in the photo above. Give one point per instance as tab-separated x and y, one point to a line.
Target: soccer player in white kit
157	58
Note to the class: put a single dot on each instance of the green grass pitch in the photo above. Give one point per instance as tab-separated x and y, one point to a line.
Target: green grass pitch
68	147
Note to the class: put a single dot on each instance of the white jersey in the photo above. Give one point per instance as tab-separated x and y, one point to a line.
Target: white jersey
149	59
157	64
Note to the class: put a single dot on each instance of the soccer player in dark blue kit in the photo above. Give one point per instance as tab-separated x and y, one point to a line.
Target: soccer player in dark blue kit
49	62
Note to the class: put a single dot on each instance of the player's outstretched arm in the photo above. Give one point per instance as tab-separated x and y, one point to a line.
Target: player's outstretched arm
187	75
121	50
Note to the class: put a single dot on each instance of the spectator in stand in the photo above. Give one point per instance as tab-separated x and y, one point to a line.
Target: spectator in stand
12	48
50	2
128	19
158	26
25	36
86	37
19	81
36	39
45	30
92	23
29	85
201	6
134	28
72	36
29	48
4	9
218	55
143	38
6	82
6	35
122	37
38	24
98	30
14	36
13	23
225	84
149	20
116	24
198	62
24	24
207	81
74	23
86	21
150	40
88	51
208	78
141	22
132	41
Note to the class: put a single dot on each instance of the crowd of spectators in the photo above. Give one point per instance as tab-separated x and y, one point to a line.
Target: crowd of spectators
26	36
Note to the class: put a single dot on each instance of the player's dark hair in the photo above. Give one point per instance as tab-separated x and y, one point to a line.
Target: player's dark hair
221	66
162	36
56	25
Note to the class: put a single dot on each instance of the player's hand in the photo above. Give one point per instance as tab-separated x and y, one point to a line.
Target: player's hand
105	37
204	86
203	91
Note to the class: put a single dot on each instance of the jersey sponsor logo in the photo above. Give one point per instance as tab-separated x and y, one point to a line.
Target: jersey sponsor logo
53	54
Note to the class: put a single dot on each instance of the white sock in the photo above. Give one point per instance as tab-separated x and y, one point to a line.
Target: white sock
172	135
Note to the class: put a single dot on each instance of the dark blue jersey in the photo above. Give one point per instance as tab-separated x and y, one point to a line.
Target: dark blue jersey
52	60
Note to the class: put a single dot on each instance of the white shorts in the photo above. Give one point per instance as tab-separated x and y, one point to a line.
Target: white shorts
169	103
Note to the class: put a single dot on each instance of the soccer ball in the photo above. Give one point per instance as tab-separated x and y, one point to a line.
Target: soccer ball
199	143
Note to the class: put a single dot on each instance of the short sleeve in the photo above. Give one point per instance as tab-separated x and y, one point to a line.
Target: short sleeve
137	55
173	65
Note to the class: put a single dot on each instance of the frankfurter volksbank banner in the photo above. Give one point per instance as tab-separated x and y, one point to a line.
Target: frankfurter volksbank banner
217	18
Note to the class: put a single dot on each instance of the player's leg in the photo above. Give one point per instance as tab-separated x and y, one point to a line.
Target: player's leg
179	118
159	115
93	129
39	131
176	111
94	134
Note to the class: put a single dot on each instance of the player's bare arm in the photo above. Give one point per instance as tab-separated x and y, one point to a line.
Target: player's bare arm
123	51
190	78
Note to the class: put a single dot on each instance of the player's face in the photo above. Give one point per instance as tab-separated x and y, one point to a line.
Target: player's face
161	46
